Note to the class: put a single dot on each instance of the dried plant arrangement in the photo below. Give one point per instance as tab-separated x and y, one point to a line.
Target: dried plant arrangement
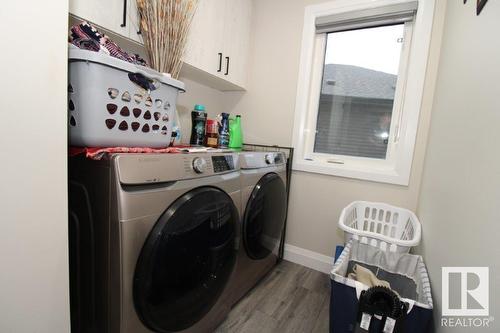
164	26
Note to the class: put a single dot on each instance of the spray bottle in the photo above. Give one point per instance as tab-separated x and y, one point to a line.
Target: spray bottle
223	130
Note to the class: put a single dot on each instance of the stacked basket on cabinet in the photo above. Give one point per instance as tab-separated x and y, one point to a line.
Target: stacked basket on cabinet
378	239
116	103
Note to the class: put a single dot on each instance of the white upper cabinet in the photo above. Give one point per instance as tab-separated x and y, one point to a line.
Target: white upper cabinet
134	31
119	16
237	40
205	44
109	14
218	44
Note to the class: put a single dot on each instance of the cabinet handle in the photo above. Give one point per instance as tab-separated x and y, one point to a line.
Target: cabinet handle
139	32
124	19
227	66
220	62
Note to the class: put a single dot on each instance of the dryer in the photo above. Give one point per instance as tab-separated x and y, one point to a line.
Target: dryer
153	241
263	215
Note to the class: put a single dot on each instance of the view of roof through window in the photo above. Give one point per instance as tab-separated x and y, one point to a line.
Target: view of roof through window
357	93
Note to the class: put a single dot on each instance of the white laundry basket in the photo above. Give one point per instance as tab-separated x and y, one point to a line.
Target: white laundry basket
381	225
116	103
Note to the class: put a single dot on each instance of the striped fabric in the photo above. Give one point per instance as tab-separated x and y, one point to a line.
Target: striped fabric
85	36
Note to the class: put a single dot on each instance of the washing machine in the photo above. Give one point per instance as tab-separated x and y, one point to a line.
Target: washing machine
153	241
263	215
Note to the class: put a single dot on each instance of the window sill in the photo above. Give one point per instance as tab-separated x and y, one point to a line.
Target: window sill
386	174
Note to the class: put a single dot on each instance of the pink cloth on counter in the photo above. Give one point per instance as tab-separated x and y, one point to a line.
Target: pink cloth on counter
100	153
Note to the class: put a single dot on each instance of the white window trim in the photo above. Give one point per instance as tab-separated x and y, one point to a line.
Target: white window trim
396	168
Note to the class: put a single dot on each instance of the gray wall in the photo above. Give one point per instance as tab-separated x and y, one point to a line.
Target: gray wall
460	192
268	113
33	173
214	100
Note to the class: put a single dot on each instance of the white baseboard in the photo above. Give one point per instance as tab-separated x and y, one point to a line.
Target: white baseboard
307	258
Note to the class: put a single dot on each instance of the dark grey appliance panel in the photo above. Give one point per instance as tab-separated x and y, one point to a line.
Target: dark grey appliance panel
186	260
264	217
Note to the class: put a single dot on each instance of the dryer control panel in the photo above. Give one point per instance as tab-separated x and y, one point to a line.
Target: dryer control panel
257	160
223	163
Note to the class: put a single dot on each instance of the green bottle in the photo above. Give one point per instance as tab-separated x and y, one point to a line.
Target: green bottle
235	135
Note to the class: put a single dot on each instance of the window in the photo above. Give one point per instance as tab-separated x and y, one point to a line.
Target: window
356	100
360	85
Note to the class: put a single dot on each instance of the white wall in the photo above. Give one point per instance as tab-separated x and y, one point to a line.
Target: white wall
33	177
214	100
460	192
268	113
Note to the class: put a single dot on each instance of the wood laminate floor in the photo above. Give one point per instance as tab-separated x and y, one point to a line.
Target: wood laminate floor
291	298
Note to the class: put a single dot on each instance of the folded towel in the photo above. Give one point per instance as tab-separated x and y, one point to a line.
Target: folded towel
366	277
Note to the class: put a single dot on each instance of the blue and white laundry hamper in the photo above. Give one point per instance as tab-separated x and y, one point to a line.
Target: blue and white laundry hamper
377	259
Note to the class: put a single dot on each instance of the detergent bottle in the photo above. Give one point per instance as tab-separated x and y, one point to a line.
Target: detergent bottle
199	119
235	135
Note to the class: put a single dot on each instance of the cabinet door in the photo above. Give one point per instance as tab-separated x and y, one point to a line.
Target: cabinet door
237	40
133	18
205	41
107	14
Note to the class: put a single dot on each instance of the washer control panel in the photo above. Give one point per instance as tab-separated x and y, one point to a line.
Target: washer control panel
223	163
161	168
199	164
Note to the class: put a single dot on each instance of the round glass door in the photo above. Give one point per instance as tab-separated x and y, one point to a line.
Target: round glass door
186	260
265	217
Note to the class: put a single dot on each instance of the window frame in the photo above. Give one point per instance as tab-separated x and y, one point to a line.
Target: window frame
396	168
315	95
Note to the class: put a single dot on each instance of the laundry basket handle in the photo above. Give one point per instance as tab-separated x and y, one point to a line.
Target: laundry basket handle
143	79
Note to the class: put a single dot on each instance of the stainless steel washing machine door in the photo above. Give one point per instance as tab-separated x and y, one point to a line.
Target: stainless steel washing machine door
186	260
264	217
